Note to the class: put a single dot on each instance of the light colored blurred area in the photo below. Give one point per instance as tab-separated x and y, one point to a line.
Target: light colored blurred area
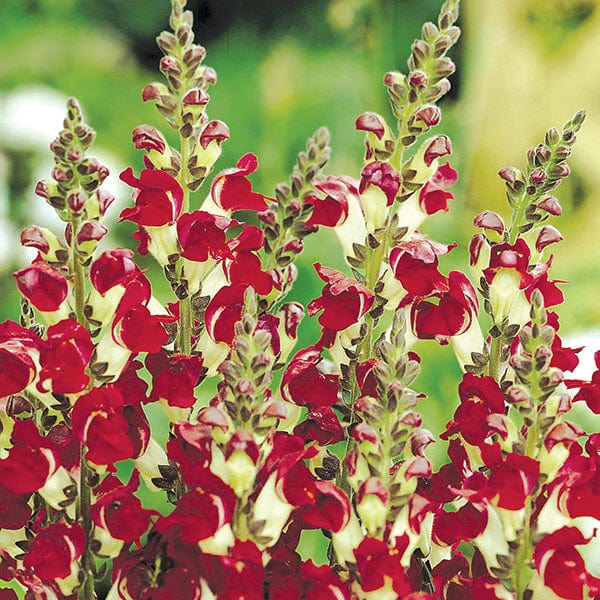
530	65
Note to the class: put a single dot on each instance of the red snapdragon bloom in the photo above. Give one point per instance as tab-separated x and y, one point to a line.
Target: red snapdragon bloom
64	358
15	511
451	528
383	176
30	462
510	256
118	511
343	300
201	511
44	286
415	265
202	235
452	315
329	509
512	480
134	326
54	551
224	311
174	377
231	190
112	429
377	562
321	425
480	399
245	266
112	268
332	209
303	383
18	349
158	198
433	196
239	574
322	583
589	391
561	567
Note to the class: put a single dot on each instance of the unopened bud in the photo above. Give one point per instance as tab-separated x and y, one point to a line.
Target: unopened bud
76	201
551	205
538	176
547	235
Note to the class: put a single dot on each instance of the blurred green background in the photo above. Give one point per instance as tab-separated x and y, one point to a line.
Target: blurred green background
286	68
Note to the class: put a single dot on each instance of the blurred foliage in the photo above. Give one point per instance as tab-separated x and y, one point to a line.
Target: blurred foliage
284	70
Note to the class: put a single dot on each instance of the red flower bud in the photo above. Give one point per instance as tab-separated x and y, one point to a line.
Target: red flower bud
372	123
546	236
439	146
489	220
215	131
44	286
551	206
146	137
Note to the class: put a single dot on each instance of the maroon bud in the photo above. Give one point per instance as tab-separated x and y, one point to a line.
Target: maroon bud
68	233
170	65
17	406
418	79
489	220
61	174
74	155
551	206
412	419
511	175
33	237
295	246
547	235
475	246
214	131
209	75
104	201
372	123
293	315
41	189
517	395
295	206
420	440
538	175
91	231
76	201
146	137
429	115
196	97
420	49
150	92
267	217
194	56
384	176
439	146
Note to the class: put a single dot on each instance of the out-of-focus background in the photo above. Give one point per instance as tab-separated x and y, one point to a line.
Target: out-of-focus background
286	68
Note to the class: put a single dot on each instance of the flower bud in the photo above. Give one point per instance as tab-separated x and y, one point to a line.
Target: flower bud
76	201
371	505
379	140
546	236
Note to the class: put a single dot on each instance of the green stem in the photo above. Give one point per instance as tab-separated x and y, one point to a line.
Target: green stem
495	352
78	274
185	306
86	591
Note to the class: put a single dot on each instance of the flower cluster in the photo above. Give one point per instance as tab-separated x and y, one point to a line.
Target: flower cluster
325	437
